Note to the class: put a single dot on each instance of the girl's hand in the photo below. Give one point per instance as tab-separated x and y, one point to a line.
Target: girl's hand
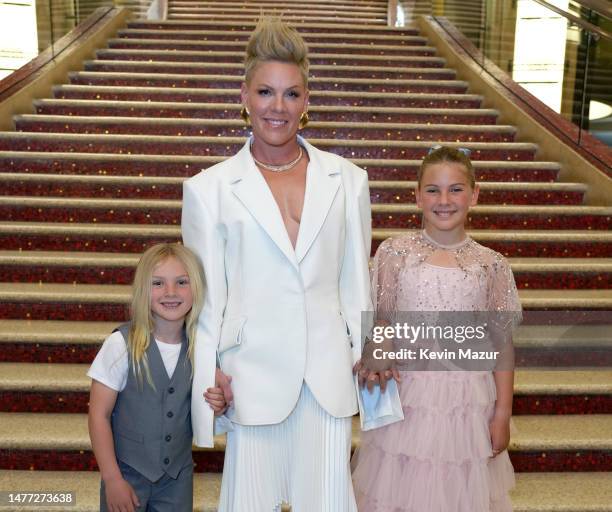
215	398
499	428
120	497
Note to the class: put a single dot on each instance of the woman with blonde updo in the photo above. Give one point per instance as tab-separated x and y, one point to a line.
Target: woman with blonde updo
283	231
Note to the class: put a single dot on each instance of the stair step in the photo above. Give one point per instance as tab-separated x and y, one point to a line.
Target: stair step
185	94
552	347
231	111
155	74
311	37
248	26
63	163
64	388
410	56
162	187
534	492
164	211
236	19
227	146
54	236
581	440
318	74
109	303
113	268
135	43
236	127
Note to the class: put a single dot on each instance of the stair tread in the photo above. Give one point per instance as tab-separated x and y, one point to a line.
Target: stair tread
130	259
88	332
237	123
235	92
47	377
363	162
121	294
308	36
528	146
481	235
236	106
242	44
96	202
534	492
177	180
64	431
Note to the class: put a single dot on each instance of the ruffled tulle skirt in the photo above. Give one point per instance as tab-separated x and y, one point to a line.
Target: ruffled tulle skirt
439	459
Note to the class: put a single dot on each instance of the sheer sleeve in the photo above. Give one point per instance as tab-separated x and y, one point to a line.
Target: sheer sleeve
386	267
503	295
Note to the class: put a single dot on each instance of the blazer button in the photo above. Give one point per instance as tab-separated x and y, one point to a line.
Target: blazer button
168	438
166	460
170	414
170	390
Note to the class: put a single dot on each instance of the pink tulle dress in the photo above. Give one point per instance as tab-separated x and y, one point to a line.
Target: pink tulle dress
439	458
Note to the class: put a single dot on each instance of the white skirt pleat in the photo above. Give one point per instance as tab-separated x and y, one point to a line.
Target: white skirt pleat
303	460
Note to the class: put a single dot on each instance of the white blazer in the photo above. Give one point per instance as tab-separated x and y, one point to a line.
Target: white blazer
274	316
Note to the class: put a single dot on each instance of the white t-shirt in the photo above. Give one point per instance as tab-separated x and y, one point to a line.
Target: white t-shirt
110	367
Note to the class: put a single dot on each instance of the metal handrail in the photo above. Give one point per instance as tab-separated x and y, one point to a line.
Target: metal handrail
603	7
576	20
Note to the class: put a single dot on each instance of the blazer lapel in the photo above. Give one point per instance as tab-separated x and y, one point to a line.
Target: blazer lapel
251	189
322	183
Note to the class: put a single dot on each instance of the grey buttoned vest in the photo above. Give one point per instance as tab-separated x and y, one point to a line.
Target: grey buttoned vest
152	427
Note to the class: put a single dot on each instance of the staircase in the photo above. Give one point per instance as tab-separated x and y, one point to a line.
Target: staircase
94	176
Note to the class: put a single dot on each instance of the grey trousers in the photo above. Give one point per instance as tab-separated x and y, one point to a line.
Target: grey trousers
165	495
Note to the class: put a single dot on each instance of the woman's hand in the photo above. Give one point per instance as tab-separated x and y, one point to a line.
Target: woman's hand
215	398
499	429
120	496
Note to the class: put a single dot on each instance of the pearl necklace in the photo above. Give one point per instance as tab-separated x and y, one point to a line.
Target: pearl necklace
279	168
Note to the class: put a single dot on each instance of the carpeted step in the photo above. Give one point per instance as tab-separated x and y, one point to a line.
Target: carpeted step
64	388
163	211
550	347
227	146
185	94
321	76
247	27
232	110
164	187
110	303
540	444
391	37
237	128
144	74
413	56
534	492
237	19
112	268
56	236
318	47
164	165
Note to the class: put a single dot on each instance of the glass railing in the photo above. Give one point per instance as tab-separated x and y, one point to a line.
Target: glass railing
558	50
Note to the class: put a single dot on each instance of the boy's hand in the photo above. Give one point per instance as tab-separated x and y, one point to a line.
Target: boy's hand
215	398
224	382
120	497
499	429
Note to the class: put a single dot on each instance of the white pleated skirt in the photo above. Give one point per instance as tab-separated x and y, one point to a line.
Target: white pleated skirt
303	461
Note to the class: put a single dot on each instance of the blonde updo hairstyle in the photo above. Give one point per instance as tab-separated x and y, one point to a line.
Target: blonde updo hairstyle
447	154
274	40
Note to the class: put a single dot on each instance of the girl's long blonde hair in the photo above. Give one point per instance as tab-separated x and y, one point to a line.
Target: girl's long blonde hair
143	323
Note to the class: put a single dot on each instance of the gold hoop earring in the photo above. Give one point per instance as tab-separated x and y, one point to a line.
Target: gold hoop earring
246	117
304	120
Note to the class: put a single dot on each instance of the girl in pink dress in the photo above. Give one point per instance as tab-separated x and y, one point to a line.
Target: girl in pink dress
449	453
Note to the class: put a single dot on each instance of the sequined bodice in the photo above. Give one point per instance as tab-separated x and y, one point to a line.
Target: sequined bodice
432	288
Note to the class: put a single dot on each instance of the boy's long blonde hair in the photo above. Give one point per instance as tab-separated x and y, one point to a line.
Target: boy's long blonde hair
142	319
274	40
